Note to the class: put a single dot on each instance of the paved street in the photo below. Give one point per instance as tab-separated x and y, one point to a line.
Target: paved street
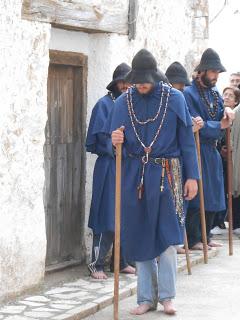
72	294
211	293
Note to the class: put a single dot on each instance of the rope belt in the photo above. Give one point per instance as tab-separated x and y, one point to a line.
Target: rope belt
172	169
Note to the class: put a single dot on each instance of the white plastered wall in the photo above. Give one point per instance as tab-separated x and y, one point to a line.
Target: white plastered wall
23	88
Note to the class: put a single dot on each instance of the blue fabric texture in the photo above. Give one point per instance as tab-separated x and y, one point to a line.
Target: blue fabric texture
212	170
101	218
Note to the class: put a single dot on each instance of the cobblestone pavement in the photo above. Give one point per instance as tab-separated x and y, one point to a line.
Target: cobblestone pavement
78	299
210	293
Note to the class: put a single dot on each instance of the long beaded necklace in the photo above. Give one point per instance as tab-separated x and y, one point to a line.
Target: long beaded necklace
150	119
211	107
132	115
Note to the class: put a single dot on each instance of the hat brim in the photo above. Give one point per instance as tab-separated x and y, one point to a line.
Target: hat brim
202	67
177	79
113	82
144	76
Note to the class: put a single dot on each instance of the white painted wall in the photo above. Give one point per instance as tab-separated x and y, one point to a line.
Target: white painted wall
23	84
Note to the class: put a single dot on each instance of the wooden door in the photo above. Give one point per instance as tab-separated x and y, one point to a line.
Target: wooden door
65	159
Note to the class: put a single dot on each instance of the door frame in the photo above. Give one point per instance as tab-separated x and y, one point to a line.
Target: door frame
75	59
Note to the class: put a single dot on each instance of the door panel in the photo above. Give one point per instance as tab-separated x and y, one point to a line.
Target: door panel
65	165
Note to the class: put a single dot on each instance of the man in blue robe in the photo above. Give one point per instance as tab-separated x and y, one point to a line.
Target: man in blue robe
178	78
159	172
204	100
101	218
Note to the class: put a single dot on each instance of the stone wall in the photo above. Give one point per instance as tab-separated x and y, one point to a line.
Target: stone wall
167	28
23	84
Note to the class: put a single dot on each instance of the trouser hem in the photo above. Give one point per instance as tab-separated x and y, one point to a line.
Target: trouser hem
166	299
152	305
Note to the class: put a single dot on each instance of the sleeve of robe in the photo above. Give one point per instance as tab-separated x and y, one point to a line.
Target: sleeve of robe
117	118
188	151
98	141
211	129
186	140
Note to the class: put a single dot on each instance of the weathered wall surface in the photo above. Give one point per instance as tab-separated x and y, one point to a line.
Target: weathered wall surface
167	28
100	15
23	84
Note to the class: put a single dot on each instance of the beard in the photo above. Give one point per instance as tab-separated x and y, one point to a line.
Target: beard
207	82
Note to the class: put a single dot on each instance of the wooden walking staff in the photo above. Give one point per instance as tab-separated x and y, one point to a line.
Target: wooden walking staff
201	198
187	252
117	227
229	188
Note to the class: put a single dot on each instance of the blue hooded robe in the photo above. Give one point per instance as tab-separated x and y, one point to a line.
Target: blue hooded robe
101	218
212	170
151	225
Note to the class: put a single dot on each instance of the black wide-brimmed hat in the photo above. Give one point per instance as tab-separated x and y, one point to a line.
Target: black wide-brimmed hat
144	69
176	73
119	74
210	60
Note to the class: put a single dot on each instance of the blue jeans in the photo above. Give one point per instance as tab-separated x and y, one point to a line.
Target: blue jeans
157	280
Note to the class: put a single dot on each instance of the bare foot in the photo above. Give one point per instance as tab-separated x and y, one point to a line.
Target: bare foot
168	307
199	246
215	244
141	309
128	269
99	275
180	250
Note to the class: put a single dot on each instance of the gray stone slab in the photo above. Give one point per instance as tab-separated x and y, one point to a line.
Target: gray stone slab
61	317
61	290
44	309
77	283
13	309
32	304
18	318
70	302
71	295
61	306
37	299
105	290
95	285
34	314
